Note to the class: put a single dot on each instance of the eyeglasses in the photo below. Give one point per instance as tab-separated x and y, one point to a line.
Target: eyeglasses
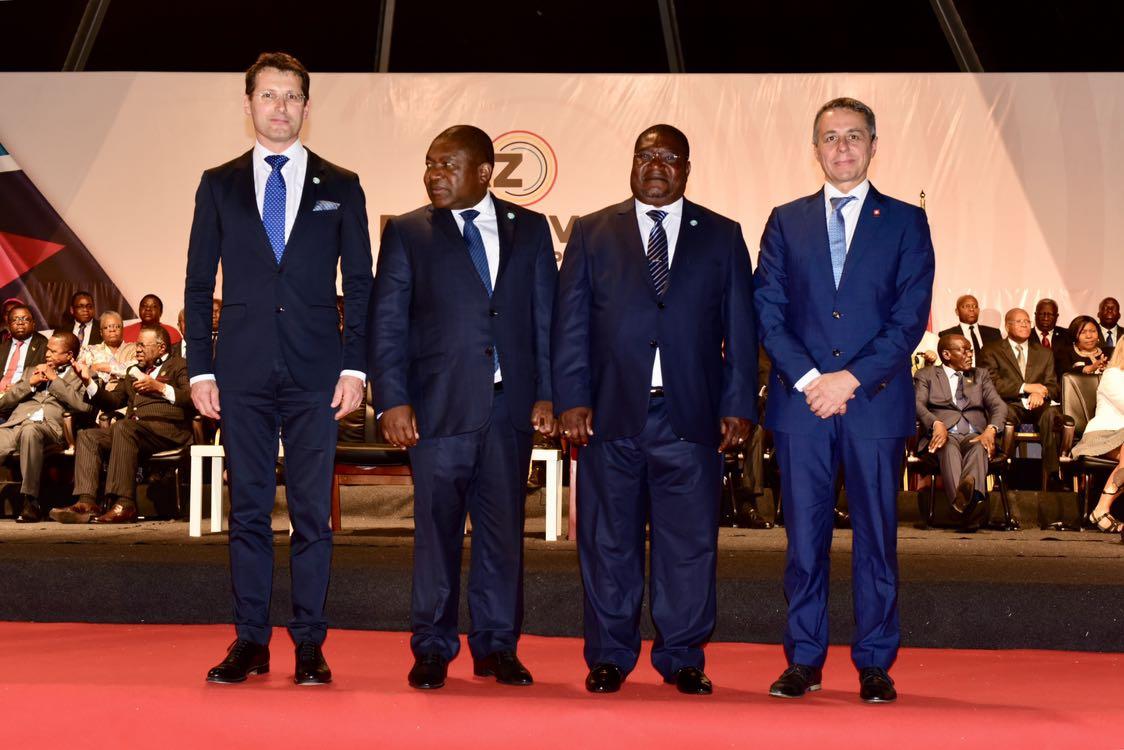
288	97
21	319
647	157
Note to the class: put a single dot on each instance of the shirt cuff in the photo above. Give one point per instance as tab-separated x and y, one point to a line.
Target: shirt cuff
170	393
92	388
201	378
355	374
803	382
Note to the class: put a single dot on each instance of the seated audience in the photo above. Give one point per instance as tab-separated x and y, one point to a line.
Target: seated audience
158	418
150	310
968	313
925	353
25	349
9	303
1046	331
109	359
1103	437
1024	375
180	349
34	407
1108	313
963	413
81	320
1085	353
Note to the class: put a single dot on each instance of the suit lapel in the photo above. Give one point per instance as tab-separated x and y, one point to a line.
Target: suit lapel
505	224
442	219
866	232
634	255
247	196
815	224
941	390
685	243
313	177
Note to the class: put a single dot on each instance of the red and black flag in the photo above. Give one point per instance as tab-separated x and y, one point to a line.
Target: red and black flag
42	262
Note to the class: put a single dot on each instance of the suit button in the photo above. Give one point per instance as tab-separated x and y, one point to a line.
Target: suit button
280	309
836	353
494	313
660	305
835	314
488	351
653	343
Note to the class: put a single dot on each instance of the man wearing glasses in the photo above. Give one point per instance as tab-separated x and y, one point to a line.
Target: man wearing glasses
654	355
280	219
25	349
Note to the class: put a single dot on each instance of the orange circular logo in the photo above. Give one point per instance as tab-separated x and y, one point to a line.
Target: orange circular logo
526	167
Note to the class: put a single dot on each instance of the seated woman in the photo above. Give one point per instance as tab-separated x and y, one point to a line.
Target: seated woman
1086	354
1104	436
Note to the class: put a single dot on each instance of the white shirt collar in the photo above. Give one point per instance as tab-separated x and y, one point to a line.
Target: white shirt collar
672	209
951	373
486	208
294	151
1015	345
859	191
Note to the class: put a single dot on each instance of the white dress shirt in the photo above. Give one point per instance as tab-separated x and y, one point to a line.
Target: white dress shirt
84	337
968	334
1115	330
169	392
950	373
850	214
489	229
671	224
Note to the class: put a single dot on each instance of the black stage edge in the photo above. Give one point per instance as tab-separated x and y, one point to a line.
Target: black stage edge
950	596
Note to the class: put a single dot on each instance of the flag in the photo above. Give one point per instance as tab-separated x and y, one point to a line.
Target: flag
42	262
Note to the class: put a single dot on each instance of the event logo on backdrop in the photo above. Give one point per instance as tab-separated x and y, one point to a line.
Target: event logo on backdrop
526	167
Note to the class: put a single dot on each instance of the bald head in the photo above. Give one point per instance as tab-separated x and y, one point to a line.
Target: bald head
1017	321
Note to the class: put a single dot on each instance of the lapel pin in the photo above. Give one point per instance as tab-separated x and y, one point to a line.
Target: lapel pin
878	212
510	215
315	180
694	222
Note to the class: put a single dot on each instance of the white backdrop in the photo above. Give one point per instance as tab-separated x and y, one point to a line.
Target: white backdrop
1021	171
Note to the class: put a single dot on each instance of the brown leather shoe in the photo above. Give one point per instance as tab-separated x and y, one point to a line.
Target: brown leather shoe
76	513
119	513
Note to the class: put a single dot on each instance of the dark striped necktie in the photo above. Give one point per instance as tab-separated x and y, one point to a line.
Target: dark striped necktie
658	265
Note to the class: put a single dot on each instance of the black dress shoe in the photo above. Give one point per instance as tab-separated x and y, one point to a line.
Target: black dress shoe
429	672
875	686
604	678
311	668
749	518
31	513
504	666
692	681
243	658
795	681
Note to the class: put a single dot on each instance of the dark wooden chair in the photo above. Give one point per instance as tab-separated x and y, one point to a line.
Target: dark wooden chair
1079	404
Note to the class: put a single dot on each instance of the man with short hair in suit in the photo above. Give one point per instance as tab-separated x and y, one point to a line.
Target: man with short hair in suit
81	322
34	408
968	314
844	288
1108	314
655	375
962	413
281	219
24	350
1046	331
157	418
460	359
1024	376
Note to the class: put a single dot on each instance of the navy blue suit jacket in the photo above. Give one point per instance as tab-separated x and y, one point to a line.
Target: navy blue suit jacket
433	324
869	326
268	307
608	322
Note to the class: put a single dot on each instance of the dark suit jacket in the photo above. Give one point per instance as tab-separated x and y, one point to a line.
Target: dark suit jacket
170	419
935	401
1058	339
1004	370
433	325
269	307
36	352
869	326
65	393
67	326
987	334
608	322
1066	359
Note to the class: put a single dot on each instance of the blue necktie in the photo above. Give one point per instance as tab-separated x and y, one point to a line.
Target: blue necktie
273	207
479	258
657	253
837	236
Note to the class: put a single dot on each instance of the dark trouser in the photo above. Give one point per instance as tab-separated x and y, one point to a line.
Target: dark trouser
960	459
623	485
1043	417
809	465
482	473
29	440
251	421
125	444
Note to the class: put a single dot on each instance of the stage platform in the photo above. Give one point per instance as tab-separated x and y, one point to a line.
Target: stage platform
1003	590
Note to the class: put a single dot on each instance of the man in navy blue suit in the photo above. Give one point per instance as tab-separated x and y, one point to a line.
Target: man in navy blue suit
843	288
460	358
655	374
280	219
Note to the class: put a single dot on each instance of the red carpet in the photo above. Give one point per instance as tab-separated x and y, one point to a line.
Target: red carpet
126	686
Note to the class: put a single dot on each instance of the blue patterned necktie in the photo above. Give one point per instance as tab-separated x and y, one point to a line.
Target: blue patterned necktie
479	259
273	207
658	266
837	236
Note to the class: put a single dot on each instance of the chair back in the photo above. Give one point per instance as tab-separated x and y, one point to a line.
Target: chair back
1079	398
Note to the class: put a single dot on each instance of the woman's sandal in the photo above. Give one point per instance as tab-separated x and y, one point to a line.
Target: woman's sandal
1099	522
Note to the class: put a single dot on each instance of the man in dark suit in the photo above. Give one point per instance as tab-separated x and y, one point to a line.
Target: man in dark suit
1024	375
844	288
24	350
34	409
655	374
1046	331
157	418
81	320
460	363
281	219
968	313
963	413
1108	315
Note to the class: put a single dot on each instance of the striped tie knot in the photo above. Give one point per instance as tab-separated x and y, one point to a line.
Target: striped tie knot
656	215
470	214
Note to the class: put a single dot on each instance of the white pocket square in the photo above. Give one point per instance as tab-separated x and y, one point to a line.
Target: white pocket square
325	206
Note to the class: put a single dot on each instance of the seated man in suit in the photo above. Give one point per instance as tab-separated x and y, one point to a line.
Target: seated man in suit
1108	315
959	406
23	350
1046	331
1023	373
968	313
34	408
158	418
80	320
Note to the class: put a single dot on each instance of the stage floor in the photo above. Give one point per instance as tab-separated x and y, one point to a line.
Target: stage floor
117	686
